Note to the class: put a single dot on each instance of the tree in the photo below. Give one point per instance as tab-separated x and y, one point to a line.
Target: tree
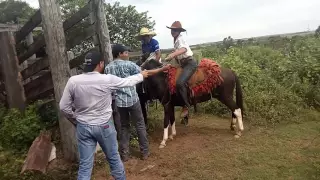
13	11
318	32
227	43
124	22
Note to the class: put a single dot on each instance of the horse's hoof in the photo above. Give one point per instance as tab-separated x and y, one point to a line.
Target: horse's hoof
162	146
184	121
236	136
233	127
171	137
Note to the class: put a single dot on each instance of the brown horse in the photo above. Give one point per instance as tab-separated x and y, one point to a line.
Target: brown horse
157	87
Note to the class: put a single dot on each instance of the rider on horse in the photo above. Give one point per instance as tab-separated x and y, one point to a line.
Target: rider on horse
149	46
184	56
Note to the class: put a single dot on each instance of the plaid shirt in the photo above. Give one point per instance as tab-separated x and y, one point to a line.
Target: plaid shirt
125	97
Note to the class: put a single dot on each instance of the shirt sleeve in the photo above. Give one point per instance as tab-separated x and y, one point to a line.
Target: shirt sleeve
134	69
115	82
66	101
181	43
155	45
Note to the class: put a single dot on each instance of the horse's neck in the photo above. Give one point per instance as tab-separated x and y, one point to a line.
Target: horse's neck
161	85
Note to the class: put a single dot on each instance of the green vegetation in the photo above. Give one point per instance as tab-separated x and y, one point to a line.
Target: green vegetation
280	77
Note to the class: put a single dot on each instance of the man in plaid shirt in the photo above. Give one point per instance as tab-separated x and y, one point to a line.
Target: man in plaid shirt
127	101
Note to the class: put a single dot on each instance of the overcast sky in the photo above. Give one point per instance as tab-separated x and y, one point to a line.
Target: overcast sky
212	20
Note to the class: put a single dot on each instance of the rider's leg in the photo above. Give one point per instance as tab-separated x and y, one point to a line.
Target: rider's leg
188	69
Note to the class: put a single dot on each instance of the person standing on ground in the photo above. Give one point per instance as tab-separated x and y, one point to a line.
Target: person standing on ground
90	94
127	101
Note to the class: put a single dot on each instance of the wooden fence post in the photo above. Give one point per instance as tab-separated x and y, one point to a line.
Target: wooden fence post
59	65
99	16
10	69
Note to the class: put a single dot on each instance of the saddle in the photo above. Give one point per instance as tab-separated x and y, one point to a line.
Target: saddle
206	77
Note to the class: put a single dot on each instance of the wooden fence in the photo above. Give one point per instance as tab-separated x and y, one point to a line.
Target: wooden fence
37	67
36	60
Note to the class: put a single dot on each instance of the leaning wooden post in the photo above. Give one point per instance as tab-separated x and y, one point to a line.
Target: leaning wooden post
11	74
59	65
102	30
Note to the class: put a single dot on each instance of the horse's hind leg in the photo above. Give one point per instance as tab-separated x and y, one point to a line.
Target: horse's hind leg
236	113
233	126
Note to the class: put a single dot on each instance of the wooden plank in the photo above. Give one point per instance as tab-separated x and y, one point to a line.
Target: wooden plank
60	71
10	69
78	60
35	83
69	23
38	154
43	95
76	17
35	67
39	86
33	22
9	27
88	33
102	29
33	48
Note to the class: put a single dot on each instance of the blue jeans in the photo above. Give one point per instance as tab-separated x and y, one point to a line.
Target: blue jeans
106	136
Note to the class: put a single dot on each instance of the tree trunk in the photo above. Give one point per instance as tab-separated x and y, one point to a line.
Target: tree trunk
59	65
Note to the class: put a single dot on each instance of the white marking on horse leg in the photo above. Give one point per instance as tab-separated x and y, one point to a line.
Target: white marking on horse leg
173	131
238	114
165	137
233	123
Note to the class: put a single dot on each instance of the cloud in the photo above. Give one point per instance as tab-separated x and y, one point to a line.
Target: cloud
212	20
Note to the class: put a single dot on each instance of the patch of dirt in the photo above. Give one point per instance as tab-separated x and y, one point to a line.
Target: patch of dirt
187	147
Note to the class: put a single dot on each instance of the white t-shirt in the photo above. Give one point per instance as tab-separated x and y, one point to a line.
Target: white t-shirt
181	43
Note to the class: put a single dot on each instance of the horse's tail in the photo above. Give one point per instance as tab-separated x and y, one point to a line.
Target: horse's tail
239	98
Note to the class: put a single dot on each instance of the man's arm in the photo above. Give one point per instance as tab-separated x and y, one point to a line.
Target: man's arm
66	101
182	48
115	82
156	49
155	71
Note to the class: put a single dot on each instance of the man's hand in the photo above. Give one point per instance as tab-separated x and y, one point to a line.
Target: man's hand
145	73
73	121
166	67
170	56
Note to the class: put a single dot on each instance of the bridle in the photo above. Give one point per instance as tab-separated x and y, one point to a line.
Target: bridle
166	81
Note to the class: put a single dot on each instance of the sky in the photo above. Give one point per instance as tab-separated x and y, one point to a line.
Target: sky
212	20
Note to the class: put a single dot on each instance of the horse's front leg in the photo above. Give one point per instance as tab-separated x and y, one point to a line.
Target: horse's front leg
172	122
166	127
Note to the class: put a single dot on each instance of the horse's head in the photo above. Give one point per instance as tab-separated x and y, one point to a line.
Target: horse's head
154	85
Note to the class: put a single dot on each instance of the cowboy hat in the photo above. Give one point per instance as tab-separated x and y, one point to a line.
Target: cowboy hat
177	26
145	32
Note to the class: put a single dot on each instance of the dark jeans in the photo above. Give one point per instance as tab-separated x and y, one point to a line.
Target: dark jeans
134	113
189	66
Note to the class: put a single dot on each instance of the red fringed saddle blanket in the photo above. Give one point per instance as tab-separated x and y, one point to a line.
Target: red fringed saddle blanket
202	81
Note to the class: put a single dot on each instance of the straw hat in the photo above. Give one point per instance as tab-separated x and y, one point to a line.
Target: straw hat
177	26
145	32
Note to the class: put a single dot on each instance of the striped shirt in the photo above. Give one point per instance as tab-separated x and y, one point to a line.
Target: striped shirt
90	95
128	96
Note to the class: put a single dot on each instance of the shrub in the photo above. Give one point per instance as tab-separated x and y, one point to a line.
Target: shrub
279	81
18	130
